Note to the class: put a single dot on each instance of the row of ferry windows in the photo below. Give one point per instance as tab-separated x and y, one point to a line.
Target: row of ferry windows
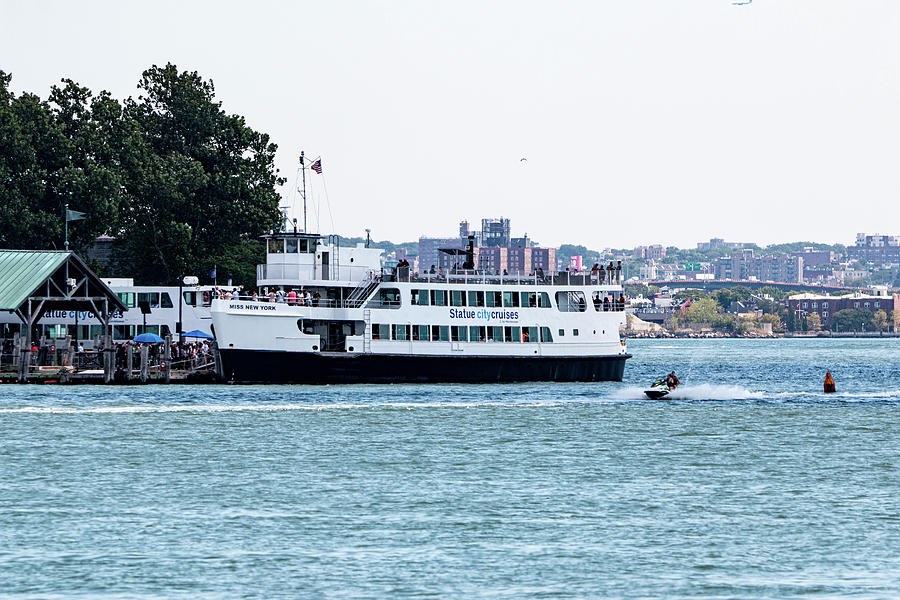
461	333
476	298
291	246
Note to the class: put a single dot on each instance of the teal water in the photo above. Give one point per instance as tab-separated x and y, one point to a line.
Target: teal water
748	483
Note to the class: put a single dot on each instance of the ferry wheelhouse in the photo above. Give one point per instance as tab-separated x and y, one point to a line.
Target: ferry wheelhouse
369	324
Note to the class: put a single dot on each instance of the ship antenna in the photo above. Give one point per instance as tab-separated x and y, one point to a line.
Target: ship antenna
303	191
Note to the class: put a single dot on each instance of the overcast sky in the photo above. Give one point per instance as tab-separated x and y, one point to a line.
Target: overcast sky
642	121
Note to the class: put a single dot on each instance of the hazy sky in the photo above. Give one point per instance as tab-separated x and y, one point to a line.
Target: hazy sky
643	121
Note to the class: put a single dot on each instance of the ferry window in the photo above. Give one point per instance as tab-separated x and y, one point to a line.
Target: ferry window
574	332
476	334
303	246
127	298
420	332
190	298
400	332
440	333
495	334
459	333
420	297
543	300
389	297
457	298
276	246
493	299
151	298
510	299
439	297
570	301
291	244
529	299
529	334
476	298
562	332
381	332
123	332
545	334
166	301
512	334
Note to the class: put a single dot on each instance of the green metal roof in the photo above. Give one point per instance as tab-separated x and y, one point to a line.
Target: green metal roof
23	271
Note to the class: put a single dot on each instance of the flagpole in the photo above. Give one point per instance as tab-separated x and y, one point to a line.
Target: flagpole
66	219
303	170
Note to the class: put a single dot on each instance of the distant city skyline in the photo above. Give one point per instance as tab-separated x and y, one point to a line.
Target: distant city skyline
640	122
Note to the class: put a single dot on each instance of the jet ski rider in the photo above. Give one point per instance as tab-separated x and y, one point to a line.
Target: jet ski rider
672	380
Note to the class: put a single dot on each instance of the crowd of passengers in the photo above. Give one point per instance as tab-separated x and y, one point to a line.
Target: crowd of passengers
611	272
292	297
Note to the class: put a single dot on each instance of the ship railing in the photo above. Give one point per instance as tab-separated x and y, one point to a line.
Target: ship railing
470	276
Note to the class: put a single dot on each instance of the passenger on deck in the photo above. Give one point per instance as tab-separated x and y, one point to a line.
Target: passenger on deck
292	297
254	297
605	303
622	301
432	270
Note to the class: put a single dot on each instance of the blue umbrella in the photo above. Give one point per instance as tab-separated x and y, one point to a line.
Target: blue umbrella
196	333
148	338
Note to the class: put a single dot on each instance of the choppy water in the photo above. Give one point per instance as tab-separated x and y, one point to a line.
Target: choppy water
748	483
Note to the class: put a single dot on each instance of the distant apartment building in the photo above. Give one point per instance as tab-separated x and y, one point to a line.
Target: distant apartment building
826	306
429	249
782	268
654	252
518	260
544	259
877	248
492	259
745	266
815	258
648	271
714	243
495	233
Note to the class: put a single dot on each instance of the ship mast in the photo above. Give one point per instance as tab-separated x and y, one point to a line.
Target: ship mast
303	191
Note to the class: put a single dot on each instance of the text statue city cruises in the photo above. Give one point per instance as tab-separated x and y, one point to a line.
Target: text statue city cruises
370	325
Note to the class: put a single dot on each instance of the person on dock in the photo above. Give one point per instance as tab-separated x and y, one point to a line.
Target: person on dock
829	383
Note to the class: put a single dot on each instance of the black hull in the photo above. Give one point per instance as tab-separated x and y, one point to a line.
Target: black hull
261	366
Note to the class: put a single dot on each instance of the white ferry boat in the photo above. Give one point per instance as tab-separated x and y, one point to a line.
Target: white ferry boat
368	325
150	309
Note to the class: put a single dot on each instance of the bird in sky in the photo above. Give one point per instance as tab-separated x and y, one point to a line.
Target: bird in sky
523	160
742	3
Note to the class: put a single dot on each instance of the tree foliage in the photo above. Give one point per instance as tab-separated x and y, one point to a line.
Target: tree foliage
181	184
852	319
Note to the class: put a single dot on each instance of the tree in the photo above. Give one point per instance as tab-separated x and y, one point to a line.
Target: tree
204	185
703	311
813	322
32	153
880	320
852	319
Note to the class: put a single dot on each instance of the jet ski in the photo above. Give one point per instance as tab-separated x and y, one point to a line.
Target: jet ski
659	389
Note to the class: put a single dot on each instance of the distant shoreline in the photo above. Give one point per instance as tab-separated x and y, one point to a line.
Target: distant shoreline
790	335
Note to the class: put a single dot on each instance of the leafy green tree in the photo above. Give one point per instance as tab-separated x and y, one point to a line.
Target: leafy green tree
852	319
813	322
705	310
203	184
32	154
880	320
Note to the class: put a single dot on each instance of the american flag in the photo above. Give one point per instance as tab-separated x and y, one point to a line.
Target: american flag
317	166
